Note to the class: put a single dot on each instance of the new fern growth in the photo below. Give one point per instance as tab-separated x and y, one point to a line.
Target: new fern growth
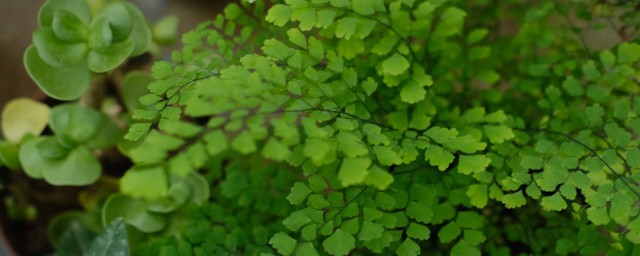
395	127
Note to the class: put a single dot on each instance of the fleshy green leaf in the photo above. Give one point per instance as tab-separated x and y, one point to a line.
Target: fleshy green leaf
22	116
64	83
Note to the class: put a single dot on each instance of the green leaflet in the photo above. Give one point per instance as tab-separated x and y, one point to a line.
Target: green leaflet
340	243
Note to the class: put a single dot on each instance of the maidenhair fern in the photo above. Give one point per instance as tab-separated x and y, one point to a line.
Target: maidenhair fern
395	127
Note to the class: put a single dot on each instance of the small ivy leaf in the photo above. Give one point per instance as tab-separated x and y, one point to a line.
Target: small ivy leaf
408	248
449	232
299	193
279	14
22	116
395	65
306	17
633	157
364	7
339	243
469	219
621	207
598	215
275	150
532	162
440	134
463	248
148	182
477	35
346	27
353	171
110	57
419	212
498	134
473	164
620	136
465	144
514	200
283	243
370	231
297	38
112	241
418	231
306	249
412	93
325	18
477	194
628	53
351	145
296	220
68	27
136	131
244	143
378	178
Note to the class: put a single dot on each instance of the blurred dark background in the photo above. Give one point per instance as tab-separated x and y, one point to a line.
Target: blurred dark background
18	19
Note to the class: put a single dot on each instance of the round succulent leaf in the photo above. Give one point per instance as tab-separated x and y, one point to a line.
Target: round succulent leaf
117	16
111	57
76	223
107	135
68	27
199	188
80	167
9	155
134	85
23	116
75	122
57	52
165	31
134	213
62	83
146	221
50	148
100	36
32	161
141	33
77	7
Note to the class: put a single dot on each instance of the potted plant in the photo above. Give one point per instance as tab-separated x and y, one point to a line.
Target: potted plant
335	127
